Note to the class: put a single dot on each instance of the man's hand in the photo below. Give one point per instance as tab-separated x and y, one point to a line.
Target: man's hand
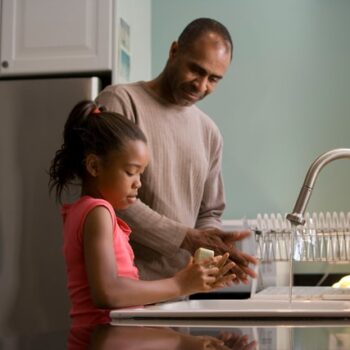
222	242
237	341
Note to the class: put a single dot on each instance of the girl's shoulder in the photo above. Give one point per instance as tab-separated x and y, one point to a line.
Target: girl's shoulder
83	206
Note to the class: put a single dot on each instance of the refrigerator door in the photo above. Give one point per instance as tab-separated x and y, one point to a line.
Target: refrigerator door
32	273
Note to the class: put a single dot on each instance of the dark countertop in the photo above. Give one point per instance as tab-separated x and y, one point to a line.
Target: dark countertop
129	334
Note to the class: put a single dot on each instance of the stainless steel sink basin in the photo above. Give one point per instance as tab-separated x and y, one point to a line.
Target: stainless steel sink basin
238	309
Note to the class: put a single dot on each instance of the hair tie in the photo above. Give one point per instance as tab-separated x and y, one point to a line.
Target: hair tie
96	111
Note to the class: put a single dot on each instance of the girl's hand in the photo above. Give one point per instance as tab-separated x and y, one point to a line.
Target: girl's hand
205	276
222	242
196	277
224	277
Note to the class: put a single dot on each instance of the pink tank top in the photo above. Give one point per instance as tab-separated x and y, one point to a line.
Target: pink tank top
83	312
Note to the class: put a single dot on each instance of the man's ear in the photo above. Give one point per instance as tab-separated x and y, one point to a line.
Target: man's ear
92	164
174	48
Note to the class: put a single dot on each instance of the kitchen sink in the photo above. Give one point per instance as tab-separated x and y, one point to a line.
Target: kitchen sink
247	308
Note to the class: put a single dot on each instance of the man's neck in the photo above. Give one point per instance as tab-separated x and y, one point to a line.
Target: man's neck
160	88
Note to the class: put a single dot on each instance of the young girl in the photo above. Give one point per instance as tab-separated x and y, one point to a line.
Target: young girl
107	154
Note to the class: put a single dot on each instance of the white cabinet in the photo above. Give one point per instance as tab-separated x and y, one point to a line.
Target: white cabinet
54	36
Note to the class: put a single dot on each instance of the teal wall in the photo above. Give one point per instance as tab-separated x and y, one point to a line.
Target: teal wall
284	101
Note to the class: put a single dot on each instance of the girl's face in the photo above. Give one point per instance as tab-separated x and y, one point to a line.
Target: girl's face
117	176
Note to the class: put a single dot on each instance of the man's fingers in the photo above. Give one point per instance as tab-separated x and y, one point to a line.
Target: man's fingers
234	236
239	272
251	259
251	346
250	272
241	258
238	257
242	235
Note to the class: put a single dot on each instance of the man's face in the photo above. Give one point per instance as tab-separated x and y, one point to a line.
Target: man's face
192	73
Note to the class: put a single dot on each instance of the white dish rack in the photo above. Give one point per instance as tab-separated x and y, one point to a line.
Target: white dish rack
323	238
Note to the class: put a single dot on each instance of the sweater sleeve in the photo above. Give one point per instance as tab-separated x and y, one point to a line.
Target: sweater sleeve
154	230
213	200
149	228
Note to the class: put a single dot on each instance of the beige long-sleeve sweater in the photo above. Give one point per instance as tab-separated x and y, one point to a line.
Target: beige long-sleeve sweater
182	186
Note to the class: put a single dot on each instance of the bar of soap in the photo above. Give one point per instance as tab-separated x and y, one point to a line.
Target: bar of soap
203	254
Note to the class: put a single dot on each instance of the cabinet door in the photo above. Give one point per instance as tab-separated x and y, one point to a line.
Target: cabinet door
51	36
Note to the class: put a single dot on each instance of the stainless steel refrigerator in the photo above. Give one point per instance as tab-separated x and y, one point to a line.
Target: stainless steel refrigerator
33	295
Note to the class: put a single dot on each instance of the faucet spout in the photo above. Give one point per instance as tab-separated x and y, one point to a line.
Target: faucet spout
297	216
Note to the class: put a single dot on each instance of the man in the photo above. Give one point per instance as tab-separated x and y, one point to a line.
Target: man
182	197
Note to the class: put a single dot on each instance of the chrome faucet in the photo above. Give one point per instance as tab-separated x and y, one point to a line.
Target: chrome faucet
297	217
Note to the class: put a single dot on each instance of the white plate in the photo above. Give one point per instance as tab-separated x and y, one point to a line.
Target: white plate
238	309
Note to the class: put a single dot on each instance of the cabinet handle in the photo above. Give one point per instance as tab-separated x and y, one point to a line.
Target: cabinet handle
4	64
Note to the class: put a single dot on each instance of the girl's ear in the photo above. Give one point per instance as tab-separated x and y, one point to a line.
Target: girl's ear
92	164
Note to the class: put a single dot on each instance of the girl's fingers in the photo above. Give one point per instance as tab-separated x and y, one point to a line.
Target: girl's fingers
212	271
226	279
219	260
223	260
218	269
229	266
214	282
210	280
